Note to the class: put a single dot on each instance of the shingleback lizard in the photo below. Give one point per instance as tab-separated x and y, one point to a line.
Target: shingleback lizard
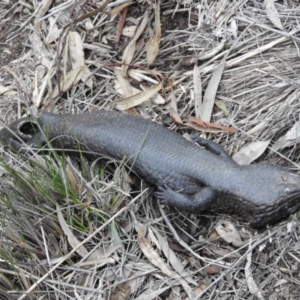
187	176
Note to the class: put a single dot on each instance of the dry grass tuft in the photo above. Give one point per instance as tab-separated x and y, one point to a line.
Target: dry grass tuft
77	229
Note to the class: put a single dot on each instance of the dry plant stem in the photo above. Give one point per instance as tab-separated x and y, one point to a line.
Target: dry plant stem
17	32
234	265
81	244
90	14
30	276
283	33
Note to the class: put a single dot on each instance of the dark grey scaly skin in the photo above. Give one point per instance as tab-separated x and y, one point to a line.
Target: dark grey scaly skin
187	176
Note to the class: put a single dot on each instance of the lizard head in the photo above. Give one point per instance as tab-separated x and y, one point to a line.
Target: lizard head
19	132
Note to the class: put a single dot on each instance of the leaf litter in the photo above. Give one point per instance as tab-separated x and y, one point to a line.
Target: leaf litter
228	70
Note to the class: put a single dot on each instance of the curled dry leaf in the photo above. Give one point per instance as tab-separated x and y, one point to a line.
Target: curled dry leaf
251	152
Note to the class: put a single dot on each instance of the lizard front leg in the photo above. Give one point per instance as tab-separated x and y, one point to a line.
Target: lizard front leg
197	202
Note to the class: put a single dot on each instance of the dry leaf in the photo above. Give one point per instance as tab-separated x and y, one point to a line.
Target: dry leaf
197	91
222	105
272	13
289	139
152	49
253	289
126	88
54	31
130	49
76	187
88	24
7	90
71	237
172	258
45	5
119	89
193	122
118	9
139	75
39	50
75	50
153	43
76	53
129	31
71	79
210	93
137	99
157	261
234	28
86	77
207	126
173	109
251	152
157	99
